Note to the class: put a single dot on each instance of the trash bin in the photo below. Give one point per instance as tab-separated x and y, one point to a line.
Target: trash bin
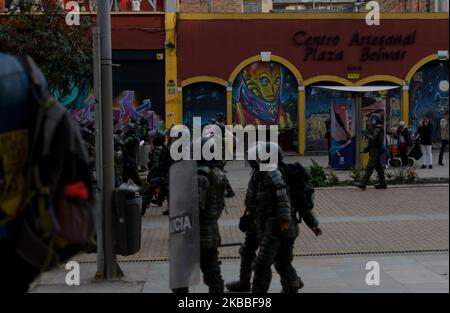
127	218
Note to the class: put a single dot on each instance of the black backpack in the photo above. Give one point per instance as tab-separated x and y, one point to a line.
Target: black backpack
56	219
301	191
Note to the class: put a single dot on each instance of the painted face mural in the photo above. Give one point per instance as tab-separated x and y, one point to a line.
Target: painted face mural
428	95
265	93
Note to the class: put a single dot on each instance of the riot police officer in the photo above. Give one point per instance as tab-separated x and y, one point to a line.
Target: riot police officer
158	174
211	189
211	198
220	122
88	134
118	159
130	153
220	118
250	246
248	249
143	130
375	137
276	227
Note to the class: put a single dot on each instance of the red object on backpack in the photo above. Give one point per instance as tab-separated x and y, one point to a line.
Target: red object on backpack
77	190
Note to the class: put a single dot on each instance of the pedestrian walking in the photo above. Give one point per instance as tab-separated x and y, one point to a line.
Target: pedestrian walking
404	142
444	137
425	132
328	138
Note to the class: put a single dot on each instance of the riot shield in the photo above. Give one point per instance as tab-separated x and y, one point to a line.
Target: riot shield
184	225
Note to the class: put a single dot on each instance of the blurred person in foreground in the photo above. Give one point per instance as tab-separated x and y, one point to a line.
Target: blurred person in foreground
46	186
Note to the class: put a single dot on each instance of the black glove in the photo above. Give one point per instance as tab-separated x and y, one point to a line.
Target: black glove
244	222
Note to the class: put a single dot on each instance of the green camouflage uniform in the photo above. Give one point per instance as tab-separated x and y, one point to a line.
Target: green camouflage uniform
272	208
130	152
211	204
251	243
159	162
158	176
375	137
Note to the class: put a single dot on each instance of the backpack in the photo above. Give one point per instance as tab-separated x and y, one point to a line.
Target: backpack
301	191
56	218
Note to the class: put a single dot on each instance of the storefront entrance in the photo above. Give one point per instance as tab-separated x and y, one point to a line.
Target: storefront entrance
349	115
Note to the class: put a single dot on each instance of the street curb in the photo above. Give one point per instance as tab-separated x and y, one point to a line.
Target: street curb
428	185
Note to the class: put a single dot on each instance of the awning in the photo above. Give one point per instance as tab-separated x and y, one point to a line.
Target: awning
357	88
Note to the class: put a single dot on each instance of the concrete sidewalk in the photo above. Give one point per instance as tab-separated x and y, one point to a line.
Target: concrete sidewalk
398	219
398	274
239	173
405	229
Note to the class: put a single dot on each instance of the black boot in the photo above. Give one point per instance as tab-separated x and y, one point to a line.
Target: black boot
218	287
292	287
381	186
360	186
238	286
145	204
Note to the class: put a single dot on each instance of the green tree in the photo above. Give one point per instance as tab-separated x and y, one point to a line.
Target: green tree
63	52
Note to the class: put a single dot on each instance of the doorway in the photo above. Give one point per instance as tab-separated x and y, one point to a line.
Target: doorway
349	115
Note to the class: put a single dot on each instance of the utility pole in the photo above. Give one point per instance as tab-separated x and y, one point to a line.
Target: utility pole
98	148
111	268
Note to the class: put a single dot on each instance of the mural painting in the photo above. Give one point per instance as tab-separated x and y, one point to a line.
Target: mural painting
80	103
393	103
203	100
127	107
136	93
265	93
317	114
343	133
428	95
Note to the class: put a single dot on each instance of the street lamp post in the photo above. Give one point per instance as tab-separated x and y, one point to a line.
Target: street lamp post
111	268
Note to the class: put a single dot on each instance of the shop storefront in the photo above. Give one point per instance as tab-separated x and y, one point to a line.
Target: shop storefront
266	69
138	73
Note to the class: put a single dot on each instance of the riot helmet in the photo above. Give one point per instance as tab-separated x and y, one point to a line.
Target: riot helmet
375	119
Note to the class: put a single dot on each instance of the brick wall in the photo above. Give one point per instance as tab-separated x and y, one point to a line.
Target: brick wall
404	6
201	6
